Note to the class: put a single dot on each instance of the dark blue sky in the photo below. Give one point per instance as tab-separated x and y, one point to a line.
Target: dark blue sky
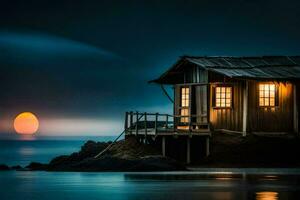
92	59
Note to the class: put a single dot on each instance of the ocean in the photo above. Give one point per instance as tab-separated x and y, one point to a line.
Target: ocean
210	184
22	151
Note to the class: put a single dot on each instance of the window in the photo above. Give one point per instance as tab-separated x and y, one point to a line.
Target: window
184	112
185	102
223	97
266	94
185	93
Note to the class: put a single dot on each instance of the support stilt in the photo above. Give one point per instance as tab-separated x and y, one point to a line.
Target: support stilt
188	150
207	146
296	130
163	145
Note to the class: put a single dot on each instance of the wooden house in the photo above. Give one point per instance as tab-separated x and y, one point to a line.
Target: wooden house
239	95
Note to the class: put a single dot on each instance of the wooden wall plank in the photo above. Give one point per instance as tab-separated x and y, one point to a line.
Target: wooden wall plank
271	119
229	118
275	119
245	108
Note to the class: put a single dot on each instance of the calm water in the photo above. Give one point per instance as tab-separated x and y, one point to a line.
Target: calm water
23	151
131	186
218	184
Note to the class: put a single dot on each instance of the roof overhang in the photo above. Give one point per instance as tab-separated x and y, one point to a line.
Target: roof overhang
266	67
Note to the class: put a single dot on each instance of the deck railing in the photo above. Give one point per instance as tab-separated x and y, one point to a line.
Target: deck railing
155	123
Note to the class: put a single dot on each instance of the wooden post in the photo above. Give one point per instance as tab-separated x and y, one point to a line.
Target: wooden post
145	123
174	123
190	110
167	120
208	104
136	123
295	108
126	122
207	146
245	108
155	124
190	124
130	121
188	150
163	145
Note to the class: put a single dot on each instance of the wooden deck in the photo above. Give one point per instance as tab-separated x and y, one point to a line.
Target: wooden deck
156	124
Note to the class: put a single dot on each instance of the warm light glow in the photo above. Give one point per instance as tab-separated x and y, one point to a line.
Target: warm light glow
26	123
266	94
266	195
183	127
223	97
185	102
185	96
184	112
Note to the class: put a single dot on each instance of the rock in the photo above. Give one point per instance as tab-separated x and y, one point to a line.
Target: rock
132	149
88	150
61	160
4	167
91	149
125	155
34	166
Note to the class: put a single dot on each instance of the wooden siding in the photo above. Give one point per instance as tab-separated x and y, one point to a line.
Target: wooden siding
198	102
260	119
297	106
228	118
198	94
201	105
271	119
176	99
195	74
176	103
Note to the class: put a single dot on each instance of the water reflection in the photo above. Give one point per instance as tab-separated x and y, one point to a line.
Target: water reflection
158	186
227	177
26	151
26	137
270	177
266	195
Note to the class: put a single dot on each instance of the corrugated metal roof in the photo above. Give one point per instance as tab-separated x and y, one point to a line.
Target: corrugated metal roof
251	67
265	67
265	72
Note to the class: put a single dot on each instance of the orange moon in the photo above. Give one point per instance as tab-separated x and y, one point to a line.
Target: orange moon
26	123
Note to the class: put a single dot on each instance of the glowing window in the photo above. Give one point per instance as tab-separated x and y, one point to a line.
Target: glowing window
184	112
185	94
223	97
185	102
266	94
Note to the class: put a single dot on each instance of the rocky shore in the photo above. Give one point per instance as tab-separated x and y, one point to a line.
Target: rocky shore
129	155
227	150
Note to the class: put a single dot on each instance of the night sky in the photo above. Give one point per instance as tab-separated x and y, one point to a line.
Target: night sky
79	65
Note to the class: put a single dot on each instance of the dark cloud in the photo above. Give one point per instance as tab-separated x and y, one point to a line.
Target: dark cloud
37	45
51	74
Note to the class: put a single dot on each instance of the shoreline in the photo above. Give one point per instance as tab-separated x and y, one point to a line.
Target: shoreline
228	152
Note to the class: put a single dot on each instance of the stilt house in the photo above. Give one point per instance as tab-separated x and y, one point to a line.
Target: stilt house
240	95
